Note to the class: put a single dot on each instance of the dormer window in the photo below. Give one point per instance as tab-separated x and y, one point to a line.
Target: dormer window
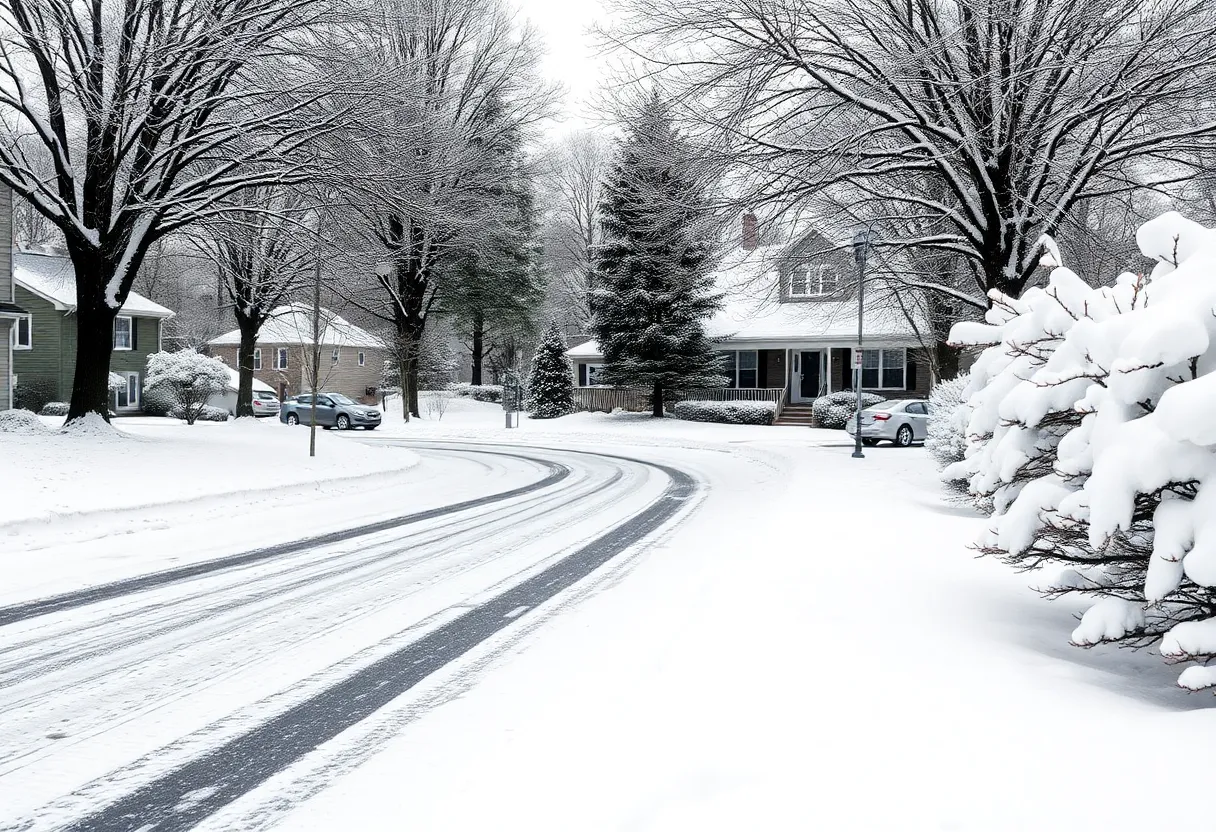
814	282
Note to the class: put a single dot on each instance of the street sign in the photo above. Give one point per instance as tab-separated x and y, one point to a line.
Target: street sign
857	359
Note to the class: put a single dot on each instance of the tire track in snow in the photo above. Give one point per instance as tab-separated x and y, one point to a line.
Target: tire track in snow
185	796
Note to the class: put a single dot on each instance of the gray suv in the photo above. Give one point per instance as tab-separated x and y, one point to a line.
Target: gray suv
333	411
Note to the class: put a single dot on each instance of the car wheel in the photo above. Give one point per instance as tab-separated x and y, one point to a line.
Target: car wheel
293	419
903	437
343	422
869	443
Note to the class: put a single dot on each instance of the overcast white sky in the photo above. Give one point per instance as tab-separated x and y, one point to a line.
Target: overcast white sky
570	52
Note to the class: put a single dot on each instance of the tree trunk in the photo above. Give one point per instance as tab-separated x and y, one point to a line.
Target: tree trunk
404	371
414	389
479	346
656	401
244	355
94	344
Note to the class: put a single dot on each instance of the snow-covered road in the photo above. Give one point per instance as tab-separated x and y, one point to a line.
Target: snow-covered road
116	695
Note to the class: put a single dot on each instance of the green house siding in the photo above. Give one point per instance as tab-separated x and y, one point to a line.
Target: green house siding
40	365
53	357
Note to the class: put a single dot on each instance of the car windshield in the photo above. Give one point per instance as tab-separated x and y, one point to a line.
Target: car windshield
889	404
266	395
338	398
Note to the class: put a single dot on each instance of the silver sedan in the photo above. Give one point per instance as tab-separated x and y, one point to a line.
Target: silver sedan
900	421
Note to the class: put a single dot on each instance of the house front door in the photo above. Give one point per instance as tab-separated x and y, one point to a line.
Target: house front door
811	376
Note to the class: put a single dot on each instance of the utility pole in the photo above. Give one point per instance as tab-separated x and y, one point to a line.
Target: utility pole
862	241
316	339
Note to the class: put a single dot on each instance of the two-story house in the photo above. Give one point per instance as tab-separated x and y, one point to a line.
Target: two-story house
789	322
352	359
44	340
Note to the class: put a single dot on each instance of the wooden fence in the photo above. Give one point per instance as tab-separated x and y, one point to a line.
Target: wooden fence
607	399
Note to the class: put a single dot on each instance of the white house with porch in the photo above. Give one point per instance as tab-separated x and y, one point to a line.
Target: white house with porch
787	331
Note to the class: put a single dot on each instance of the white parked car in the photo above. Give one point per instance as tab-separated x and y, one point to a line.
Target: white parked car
899	421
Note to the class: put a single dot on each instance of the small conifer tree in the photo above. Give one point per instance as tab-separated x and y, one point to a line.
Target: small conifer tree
551	381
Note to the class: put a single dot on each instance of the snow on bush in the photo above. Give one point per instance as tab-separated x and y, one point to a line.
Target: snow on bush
206	413
949	415
187	377
1090	430
835	409
33	392
157	401
551	380
22	422
478	392
54	409
730	413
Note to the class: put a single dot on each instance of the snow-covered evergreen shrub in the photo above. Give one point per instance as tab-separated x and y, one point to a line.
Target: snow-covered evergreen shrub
551	380
478	392
54	409
206	413
189	378
22	423
1102	455
157	401
948	417
730	413
33	393
835	409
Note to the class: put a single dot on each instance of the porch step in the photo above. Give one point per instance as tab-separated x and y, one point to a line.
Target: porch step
798	415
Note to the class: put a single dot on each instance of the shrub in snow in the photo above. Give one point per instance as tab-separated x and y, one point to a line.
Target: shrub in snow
54	409
33	393
157	401
730	413
1101	452
550	382
947	433
206	413
478	392
21	422
189	378
835	409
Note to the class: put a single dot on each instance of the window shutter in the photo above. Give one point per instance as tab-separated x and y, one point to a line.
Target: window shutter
910	381
582	375
135	333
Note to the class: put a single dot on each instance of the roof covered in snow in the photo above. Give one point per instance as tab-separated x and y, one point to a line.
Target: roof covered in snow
752	311
52	278
234	381
292	324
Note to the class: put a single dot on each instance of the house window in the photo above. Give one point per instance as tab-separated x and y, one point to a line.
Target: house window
335	358
257	358
280	361
127	397
741	368
814	282
884	369
123	327
594	374
361	359
23	333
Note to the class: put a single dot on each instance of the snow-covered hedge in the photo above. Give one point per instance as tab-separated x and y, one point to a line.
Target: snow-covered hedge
33	392
478	392
1090	430
947	434
157	401
730	413
21	422
54	409
189	378
206	413
835	409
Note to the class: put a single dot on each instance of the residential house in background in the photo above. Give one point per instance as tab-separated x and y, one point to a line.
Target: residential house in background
44	341
787	329
12	316
352	359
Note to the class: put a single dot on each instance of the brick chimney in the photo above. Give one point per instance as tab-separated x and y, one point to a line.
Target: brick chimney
751	236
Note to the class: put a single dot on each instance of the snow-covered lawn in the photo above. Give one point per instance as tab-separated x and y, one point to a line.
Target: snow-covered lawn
815	649
78	508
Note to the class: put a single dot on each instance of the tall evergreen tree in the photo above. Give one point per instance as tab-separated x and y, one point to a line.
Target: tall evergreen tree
652	285
551	382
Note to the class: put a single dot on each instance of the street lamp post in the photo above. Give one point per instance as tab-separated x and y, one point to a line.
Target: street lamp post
862	241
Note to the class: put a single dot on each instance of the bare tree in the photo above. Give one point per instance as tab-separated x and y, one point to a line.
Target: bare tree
148	115
1013	111
459	76
574	172
263	251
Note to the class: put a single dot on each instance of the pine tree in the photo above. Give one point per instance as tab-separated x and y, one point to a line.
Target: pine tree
653	290
551	382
